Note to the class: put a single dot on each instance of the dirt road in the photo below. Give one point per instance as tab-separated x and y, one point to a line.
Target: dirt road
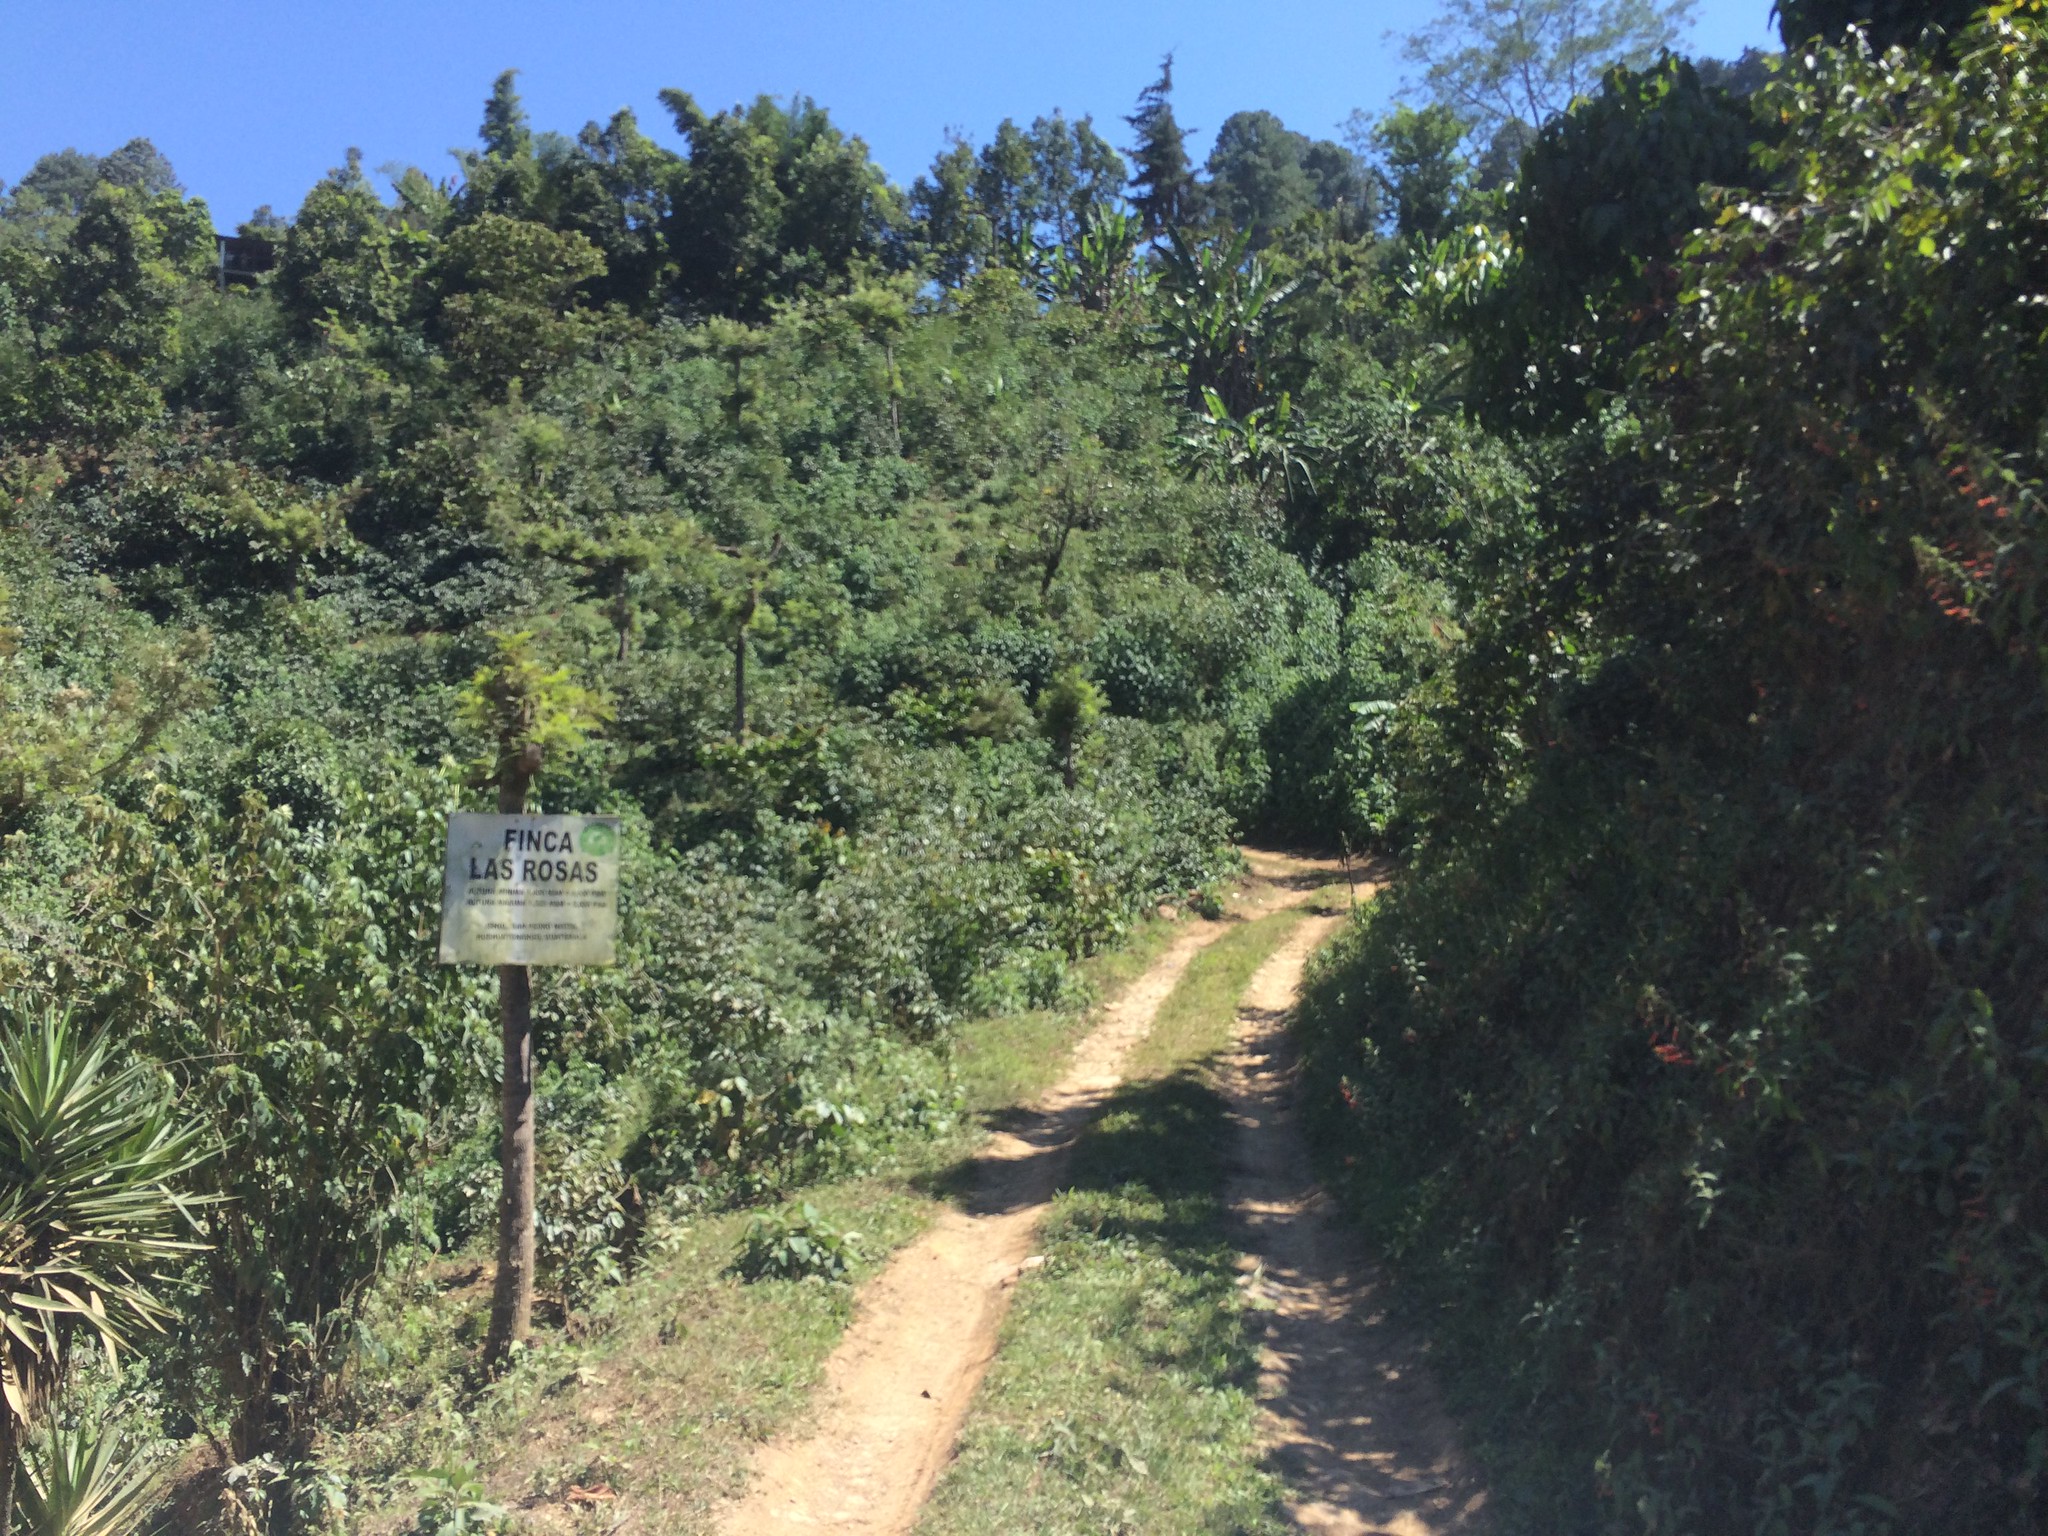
1349	1418
899	1385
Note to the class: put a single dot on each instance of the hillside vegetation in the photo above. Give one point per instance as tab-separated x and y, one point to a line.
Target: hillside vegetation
1699	1066
1627	515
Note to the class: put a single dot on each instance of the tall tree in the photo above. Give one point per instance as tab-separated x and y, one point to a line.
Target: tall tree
1074	168
1264	176
1418	162
1342	185
342	263
616	191
61	181
1606	197
950	230
504	177
103	312
1256	180
1163	185
510	287
1499	61
1006	184
48	202
1100	169
140	166
774	200
1056	172
506	132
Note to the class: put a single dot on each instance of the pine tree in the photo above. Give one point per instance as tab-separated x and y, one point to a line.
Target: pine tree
506	132
1163	187
504	177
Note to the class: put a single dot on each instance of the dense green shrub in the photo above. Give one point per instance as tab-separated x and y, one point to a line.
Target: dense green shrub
797	1244
1699	1067
286	979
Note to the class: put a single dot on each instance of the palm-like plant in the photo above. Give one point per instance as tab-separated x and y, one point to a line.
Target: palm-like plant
1264	445
1102	272
78	1483
90	1212
1216	302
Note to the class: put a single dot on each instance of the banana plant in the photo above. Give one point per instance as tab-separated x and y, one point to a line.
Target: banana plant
1102	271
1263	446
91	1215
1216	303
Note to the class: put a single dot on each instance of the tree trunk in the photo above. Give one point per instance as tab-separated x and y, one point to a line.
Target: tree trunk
10	1459
1052	562
739	687
512	1298
895	419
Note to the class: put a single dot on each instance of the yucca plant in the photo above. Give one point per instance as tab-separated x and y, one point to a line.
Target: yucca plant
91	1216
77	1482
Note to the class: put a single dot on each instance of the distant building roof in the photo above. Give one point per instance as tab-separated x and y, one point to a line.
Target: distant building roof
243	259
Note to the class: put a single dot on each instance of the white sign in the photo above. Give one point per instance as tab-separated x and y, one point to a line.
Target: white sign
530	890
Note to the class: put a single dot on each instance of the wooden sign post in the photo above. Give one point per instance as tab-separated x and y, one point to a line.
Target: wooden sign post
518	891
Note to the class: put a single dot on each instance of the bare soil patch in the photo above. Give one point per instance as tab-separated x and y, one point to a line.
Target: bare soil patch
1350	1418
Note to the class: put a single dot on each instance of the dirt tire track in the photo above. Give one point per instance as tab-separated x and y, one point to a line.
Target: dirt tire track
898	1387
1349	1416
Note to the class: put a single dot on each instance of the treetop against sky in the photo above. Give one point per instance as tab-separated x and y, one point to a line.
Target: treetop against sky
253	104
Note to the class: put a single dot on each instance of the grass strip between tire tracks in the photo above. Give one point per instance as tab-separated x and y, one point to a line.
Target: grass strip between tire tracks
1123	1396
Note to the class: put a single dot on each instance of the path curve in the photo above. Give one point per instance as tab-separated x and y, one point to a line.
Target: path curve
898	1386
1349	1417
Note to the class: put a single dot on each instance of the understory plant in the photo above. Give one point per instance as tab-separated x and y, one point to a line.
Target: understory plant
96	1216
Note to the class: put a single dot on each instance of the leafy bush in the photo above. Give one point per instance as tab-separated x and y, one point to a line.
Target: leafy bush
581	1193
285	979
454	1504
797	1244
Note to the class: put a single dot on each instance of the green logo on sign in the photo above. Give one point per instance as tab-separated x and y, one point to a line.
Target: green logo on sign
599	840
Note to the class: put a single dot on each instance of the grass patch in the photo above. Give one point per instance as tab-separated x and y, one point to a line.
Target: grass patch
1338	899
1010	1059
1123	1397
1196	1019
655	1397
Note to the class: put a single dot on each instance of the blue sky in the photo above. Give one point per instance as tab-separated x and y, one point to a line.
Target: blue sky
253	101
